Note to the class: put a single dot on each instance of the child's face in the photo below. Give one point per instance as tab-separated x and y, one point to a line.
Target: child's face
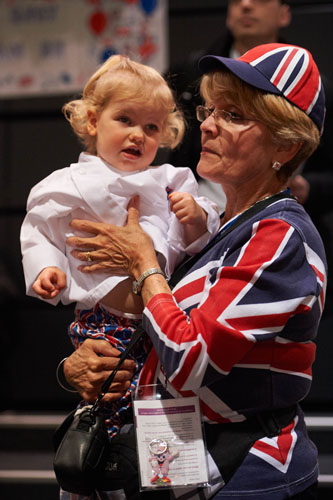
127	134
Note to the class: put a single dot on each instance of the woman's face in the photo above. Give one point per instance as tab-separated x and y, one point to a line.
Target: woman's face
237	151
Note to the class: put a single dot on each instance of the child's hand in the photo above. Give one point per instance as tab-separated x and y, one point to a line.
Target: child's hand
49	282
190	214
186	209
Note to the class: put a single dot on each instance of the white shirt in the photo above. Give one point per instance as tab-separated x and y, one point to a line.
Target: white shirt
93	190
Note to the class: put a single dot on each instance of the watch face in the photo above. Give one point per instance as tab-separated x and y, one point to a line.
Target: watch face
136	287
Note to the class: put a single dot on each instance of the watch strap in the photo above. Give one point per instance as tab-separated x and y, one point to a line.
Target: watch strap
137	284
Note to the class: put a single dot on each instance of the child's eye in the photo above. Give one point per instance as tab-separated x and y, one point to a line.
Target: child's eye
123	119
152	127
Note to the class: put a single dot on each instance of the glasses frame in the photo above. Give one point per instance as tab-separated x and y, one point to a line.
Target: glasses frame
227	116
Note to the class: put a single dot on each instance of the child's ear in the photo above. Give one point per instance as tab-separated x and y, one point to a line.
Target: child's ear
92	122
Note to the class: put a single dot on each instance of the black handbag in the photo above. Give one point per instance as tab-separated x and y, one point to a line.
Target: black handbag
85	459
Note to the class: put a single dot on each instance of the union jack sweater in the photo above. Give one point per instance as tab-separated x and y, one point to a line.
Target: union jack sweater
238	332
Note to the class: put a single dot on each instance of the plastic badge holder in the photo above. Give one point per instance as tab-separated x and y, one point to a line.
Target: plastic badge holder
170	443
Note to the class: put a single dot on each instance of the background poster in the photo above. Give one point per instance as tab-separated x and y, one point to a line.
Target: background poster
53	46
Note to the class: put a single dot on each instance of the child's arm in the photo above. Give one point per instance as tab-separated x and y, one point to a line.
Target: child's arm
49	282
190	214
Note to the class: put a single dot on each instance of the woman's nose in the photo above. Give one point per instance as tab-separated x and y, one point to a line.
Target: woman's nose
209	125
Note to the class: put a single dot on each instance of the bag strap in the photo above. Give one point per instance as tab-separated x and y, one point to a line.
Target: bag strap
183	268
129	348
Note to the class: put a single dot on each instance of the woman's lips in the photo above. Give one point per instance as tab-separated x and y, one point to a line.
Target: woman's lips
207	150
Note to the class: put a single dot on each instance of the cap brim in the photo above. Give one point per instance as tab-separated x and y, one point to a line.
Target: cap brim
243	70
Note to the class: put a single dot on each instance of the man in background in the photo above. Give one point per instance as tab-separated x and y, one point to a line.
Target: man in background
248	23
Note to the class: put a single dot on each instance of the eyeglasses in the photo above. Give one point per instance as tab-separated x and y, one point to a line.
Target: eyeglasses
203	113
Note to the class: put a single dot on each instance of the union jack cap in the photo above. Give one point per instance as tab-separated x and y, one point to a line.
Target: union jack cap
281	69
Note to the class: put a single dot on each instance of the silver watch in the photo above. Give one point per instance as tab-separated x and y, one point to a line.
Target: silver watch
137	284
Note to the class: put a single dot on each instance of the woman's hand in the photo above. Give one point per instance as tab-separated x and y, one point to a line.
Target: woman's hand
122	250
89	366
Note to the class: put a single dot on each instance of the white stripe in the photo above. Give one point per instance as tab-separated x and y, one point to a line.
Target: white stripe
266	55
291	66
217	405
163	337
300	72
224	316
190	301
273	442
282	306
203	272
198	370
255	332
253	365
265	366
296	374
270	368
314	260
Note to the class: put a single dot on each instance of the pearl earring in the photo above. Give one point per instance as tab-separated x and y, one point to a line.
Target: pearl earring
277	165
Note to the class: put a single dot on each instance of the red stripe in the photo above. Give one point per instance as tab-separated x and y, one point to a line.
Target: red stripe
284	442
234	279
284	67
191	358
266	321
148	373
318	273
192	288
292	356
305	98
226	346
212	415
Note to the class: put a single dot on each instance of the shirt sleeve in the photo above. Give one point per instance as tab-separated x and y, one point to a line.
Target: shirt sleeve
43	233
256	297
183	181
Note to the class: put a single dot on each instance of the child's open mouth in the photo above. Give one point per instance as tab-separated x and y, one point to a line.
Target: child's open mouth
133	152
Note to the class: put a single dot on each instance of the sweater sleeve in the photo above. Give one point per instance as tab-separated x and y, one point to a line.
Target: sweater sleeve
242	306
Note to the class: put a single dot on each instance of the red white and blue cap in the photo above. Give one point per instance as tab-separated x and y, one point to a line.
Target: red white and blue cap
281	69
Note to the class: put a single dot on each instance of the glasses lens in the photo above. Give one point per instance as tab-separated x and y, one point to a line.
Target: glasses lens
201	115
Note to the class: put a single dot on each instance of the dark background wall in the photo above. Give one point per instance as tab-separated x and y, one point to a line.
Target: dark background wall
35	139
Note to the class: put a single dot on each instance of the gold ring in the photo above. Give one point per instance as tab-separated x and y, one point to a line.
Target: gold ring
89	259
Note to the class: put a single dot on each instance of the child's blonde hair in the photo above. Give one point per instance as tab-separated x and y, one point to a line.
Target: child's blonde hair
123	79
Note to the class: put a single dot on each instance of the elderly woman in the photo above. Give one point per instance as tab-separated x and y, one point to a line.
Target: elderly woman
238	328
